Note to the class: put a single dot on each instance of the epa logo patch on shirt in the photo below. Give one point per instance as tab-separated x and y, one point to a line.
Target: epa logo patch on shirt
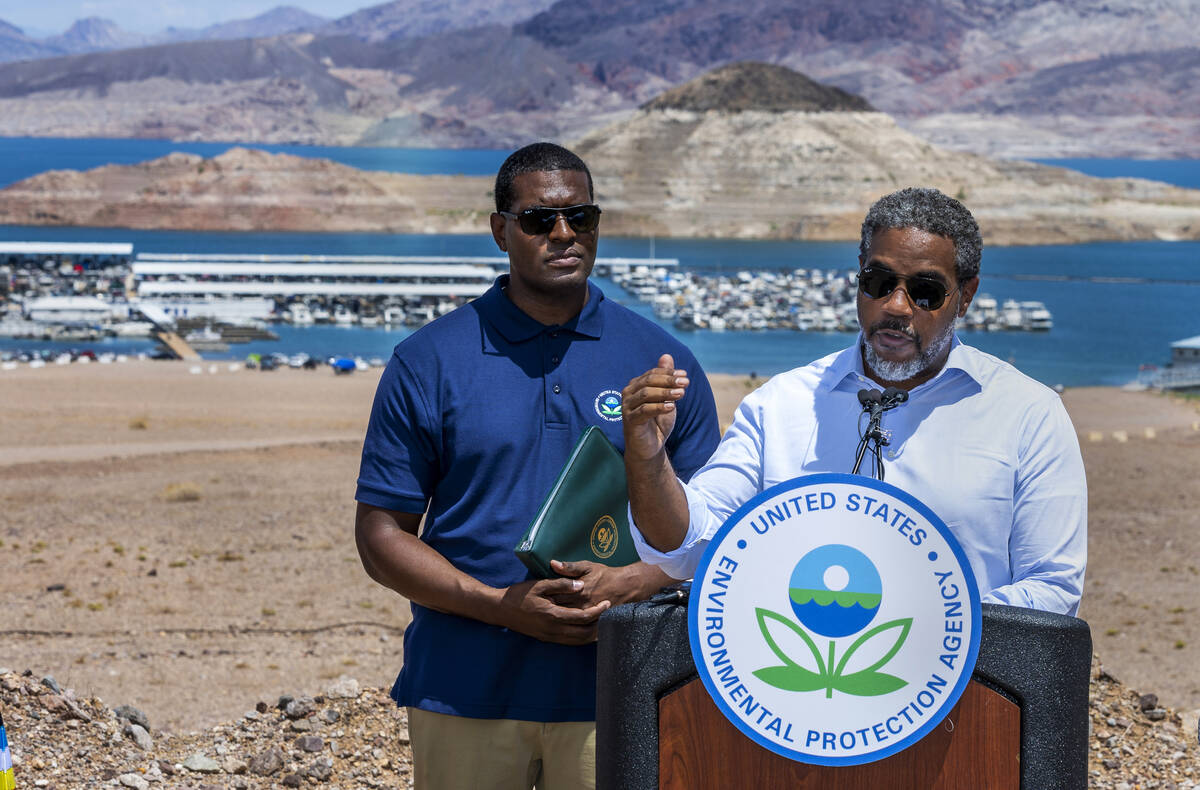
608	405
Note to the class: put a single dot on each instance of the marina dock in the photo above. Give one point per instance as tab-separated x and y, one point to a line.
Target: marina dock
805	300
208	301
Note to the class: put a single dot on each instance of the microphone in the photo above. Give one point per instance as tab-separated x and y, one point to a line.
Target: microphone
867	397
891	397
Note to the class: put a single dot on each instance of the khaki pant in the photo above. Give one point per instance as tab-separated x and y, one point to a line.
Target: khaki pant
459	753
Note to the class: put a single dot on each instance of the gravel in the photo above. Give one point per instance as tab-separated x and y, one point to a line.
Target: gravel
341	741
361	741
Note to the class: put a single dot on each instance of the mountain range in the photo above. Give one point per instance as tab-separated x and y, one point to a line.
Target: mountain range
96	34
1006	77
745	151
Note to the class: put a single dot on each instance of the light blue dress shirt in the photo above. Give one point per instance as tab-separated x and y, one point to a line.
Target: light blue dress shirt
991	451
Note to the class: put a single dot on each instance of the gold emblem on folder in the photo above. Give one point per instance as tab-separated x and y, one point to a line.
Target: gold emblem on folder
604	537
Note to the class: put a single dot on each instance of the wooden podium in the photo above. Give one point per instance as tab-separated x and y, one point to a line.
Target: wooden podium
1021	722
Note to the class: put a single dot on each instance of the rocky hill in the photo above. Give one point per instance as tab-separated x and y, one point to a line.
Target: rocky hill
779	173
1029	78
400	19
249	190
743	87
15	45
803	175
95	33
275	22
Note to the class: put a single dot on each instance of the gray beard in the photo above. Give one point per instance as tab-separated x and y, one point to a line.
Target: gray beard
903	371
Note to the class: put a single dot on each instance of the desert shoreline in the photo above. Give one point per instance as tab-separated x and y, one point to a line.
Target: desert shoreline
182	541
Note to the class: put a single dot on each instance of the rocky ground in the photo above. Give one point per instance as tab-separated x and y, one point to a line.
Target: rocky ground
346	737
350	737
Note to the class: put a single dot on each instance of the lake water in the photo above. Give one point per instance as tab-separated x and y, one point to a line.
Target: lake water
1181	172
22	157
1102	331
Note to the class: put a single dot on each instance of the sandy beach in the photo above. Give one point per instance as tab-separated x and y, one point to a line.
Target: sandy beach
179	538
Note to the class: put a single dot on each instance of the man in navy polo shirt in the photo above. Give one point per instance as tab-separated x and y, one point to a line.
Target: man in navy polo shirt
474	417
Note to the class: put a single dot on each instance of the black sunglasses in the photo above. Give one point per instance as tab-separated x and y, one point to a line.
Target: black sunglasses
926	293
540	219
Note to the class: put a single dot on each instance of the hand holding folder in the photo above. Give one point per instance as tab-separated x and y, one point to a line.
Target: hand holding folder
584	515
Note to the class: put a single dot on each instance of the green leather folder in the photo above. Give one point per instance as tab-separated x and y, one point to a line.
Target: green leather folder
584	515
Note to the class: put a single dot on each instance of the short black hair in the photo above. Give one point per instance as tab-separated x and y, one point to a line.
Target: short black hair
535	158
933	212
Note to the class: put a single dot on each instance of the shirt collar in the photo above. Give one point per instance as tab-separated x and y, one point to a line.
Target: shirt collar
961	359
846	372
511	322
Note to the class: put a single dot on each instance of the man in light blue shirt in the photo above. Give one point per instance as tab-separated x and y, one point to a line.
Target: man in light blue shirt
990	450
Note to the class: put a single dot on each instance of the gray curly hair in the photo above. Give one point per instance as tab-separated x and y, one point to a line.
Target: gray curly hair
933	212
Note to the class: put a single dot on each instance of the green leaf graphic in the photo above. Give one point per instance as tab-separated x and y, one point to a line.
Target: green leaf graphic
763	614
868	683
791	678
904	624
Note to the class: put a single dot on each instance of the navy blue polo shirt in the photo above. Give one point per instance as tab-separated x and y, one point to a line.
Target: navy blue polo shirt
474	417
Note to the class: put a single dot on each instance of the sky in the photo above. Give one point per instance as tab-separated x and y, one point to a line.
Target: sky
152	16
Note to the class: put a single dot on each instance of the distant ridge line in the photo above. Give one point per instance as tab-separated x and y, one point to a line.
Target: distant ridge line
751	86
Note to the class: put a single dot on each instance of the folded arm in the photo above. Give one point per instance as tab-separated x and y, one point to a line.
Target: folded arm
395	557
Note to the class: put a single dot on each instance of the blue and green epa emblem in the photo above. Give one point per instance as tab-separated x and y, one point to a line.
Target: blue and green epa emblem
834	619
608	405
835	591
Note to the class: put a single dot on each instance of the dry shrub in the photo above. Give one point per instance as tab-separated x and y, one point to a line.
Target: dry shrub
182	492
139	423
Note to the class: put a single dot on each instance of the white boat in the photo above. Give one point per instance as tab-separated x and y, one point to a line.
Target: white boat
299	314
665	306
1010	315
205	334
343	317
1037	317
132	328
205	339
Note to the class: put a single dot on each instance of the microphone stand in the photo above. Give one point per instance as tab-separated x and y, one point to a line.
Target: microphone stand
874	404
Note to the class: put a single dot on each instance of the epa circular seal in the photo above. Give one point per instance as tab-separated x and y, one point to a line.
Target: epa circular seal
608	405
834	619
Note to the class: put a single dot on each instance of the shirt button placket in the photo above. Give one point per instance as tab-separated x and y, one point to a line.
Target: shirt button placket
555	409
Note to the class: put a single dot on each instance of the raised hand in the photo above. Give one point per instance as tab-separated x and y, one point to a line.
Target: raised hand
656	499
648	408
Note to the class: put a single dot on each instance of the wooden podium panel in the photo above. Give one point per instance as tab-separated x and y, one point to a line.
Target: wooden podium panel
977	746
